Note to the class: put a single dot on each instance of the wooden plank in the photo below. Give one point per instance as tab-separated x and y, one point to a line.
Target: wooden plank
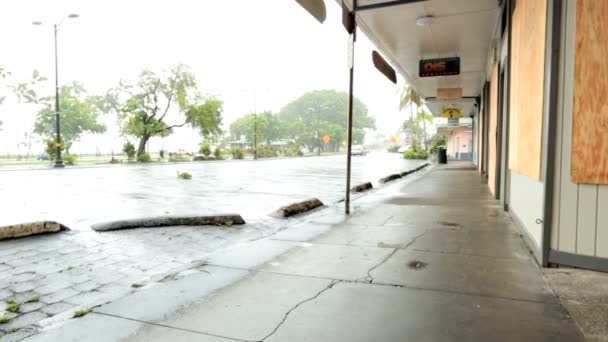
527	118
530	121
601	247
514	91
492	130
587	215
590	126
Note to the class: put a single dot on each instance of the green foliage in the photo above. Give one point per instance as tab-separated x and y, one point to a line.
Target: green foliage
413	154
409	154
5	319
321	112
218	153
264	152
82	312
422	154
69	159
205	149
143	106
51	148
13	307
293	153
206	116
179	158
79	113
129	150
237	153
33	299
393	149
143	158
184	175
136	285
439	141
266	126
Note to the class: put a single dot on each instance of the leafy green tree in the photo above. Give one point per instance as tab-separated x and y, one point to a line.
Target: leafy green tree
143	107
316	113
205	149
267	126
129	150
416	129
79	114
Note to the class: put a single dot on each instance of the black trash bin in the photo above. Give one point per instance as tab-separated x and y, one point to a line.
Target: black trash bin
442	155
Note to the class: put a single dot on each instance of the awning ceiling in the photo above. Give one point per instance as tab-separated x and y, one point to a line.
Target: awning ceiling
462	28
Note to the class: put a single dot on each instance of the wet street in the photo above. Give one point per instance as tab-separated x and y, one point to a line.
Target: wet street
79	197
82	268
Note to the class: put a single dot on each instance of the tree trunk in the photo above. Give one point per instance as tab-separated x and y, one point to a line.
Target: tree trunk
424	124
142	144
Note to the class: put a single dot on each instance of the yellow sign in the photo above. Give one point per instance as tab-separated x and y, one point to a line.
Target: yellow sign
326	139
58	145
451	113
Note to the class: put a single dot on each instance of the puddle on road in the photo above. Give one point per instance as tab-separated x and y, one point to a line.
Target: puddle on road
417	265
449	224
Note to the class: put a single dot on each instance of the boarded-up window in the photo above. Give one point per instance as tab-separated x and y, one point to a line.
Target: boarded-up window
527	87
590	117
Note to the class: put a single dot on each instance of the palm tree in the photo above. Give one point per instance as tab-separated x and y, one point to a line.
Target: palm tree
409	97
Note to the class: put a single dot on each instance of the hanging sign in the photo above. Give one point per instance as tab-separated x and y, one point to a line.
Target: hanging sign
451	113
439	67
384	67
449	94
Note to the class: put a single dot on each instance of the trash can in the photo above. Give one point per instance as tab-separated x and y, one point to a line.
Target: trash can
442	155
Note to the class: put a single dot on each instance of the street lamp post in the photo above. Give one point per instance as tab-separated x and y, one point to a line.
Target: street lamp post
58	160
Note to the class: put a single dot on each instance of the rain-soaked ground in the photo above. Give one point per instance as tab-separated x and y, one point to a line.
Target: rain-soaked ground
78	197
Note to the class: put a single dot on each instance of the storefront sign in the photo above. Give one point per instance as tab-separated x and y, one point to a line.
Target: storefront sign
439	67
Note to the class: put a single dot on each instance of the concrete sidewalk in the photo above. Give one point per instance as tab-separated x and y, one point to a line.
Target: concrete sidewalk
431	260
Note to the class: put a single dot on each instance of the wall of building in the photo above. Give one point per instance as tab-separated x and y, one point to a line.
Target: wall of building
580	215
459	143
526	104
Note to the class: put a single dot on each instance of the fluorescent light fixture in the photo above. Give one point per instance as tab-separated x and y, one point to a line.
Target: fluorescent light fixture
426	20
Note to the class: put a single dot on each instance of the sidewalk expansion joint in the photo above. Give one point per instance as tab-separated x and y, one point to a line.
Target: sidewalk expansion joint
169	326
328	287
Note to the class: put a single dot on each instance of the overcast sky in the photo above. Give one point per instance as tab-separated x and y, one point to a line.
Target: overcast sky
233	47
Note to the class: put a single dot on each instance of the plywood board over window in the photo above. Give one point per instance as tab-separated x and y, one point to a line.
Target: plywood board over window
527	87
590	117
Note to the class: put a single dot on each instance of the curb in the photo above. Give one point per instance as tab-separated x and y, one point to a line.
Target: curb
29	229
362	187
390	178
297	208
168	221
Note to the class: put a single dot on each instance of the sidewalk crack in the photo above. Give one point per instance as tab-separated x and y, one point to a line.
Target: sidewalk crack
370	278
334	282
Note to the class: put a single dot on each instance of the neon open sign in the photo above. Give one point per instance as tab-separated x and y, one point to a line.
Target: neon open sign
439	67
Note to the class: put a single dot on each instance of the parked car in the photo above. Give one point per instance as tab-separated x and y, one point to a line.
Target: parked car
357	150
404	148
43	156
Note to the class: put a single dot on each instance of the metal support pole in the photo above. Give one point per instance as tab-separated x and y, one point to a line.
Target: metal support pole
255	124
58	160
349	132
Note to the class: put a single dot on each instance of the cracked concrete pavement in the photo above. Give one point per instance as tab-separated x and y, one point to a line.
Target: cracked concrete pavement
446	271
